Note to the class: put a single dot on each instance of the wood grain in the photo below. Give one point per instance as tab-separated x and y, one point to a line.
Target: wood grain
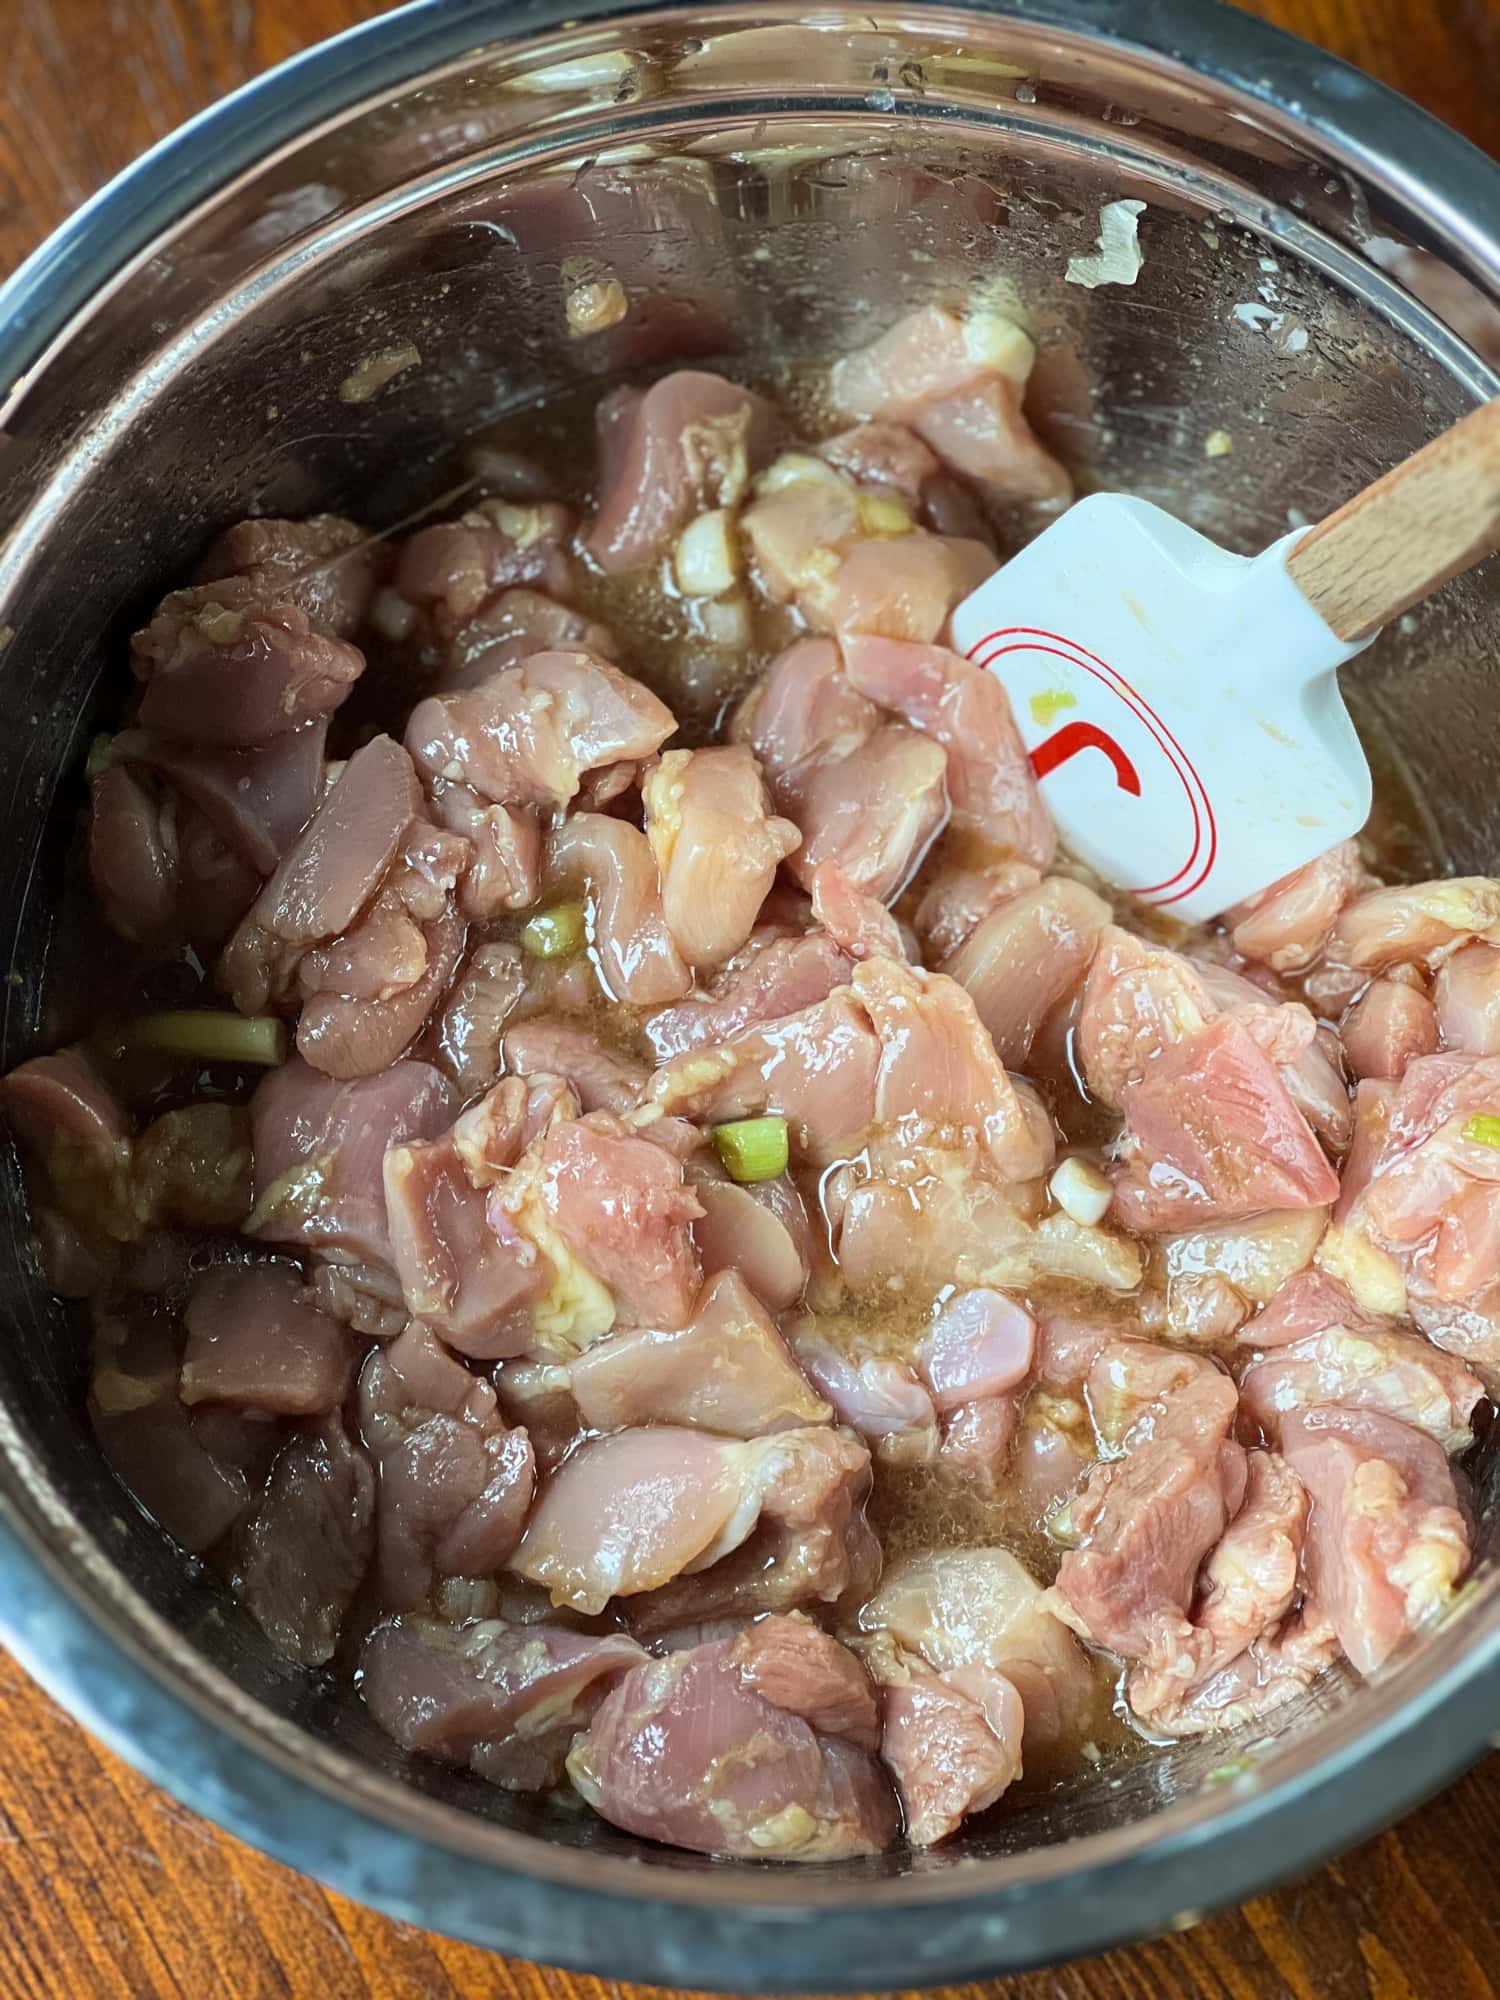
109	1890
1395	543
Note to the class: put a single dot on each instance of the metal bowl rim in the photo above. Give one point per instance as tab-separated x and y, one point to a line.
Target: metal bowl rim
778	1946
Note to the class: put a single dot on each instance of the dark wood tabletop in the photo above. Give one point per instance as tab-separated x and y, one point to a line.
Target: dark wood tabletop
110	1890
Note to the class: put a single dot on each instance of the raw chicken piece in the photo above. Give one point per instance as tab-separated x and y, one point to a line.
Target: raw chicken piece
504	1699
689	442
1420	1224
453	568
527	735
850	557
813	1543
982	1609
254	1339
1308	1055
1216	1277
1143	1523
319	1149
626	1514
856	922
1466	994
977	1440
898	1046
161	1453
1211	1135
873	811
1026	958
727	1370
374	1014
965	886
1308	1303
991	786
1392	1022
328	876
802	708
69	1122
162	875
687	1749
932	1215
601	1080
1288	925
952	1743
1141	1000
222	670
504	869
635	952
1387	1543
773	977
455	1481
901	586
256	800
717	847
762	1231
1271	1671
304	1551
613	1216
816	1068
983	434
875	1395
1368	1368
1421	924
938	1069
473	1283
925	356
1248	1584
510	628
883	455
488	989
191	1169
958	383
794	1664
867	794
325	565
981	1345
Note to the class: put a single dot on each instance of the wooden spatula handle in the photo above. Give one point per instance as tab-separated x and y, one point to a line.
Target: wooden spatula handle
1392	545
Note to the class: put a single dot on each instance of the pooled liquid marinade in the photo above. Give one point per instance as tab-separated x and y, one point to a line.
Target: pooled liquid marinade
629	1196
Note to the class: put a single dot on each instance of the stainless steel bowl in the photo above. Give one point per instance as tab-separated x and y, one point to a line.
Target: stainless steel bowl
765	180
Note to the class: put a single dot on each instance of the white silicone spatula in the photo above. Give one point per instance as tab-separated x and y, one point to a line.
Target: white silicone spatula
1181	705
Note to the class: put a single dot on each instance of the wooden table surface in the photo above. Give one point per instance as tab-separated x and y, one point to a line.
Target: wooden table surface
109	1890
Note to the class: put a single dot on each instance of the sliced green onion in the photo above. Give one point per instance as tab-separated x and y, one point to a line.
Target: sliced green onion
753	1149
1059	1528
99	756
1484	1129
554	933
209	1034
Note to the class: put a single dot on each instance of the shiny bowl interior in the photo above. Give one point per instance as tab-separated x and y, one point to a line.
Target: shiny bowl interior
767	185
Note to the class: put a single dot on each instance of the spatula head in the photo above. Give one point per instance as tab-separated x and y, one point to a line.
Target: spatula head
1180	704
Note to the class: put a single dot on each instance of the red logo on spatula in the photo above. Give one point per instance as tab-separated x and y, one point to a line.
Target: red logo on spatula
1148	762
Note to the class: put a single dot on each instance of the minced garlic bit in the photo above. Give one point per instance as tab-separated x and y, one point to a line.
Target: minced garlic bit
1081	1191
706	560
593	297
391	615
883	513
995	341
376	370
1218	444
1117	258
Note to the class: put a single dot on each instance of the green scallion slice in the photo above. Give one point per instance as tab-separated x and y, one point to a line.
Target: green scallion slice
753	1149
210	1034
